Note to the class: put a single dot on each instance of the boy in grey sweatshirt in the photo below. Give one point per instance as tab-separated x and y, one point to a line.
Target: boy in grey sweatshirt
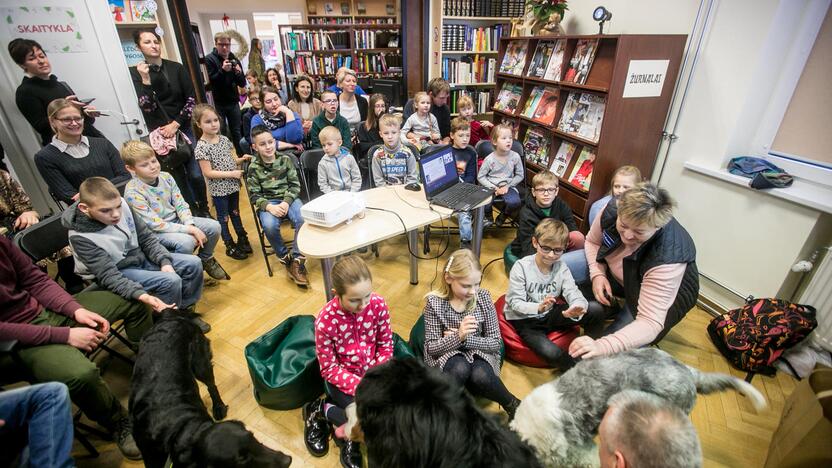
542	296
337	170
116	248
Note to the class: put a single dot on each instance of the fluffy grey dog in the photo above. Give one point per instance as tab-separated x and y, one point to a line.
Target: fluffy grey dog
559	419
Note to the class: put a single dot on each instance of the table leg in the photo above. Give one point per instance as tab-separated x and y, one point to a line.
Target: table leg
476	235
413	242
326	268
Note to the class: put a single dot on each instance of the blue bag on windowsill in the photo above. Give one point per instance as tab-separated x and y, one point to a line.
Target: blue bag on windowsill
762	173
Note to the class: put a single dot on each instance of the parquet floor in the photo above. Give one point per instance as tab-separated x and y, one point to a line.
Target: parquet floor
733	434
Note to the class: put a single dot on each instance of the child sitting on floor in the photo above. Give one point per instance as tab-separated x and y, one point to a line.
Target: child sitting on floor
337	170
393	163
502	171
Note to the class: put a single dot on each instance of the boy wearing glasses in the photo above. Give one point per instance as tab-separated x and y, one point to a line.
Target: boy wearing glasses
542	296
329	116
544	203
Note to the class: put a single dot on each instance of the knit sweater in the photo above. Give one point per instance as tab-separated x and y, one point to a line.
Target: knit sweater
495	172
319	122
528	287
531	215
277	180
25	290
292	132
162	206
339	173
64	174
348	344
33	97
442	114
394	166
422	128
169	86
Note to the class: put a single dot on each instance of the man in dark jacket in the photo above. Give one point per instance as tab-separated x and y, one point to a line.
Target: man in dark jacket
225	74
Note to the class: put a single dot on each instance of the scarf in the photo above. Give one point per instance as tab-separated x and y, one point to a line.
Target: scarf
272	122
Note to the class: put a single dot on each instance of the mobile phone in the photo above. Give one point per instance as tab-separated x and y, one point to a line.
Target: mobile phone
86	101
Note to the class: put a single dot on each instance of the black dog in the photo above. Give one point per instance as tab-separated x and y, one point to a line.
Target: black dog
169	418
415	416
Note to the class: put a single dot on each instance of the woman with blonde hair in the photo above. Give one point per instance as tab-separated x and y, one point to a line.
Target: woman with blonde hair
350	106
462	334
71	157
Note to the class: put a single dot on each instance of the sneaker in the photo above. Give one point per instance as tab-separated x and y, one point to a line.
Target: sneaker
466	244
234	252
316	428
286	260
204	326
208	282
214	269
501	219
350	453
487	223
297	271
244	245
123	434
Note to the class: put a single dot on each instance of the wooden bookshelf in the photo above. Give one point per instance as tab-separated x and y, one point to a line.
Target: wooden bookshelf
374	12
631	130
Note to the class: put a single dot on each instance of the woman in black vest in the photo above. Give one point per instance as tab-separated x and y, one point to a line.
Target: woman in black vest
642	264
166	97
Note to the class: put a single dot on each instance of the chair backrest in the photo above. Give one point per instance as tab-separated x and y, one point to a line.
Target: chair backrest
370	153
304	187
416	153
43	239
485	147
427	149
309	160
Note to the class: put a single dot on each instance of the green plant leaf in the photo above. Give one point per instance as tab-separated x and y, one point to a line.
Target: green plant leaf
65	49
9	19
24	9
47	8
70	13
78	36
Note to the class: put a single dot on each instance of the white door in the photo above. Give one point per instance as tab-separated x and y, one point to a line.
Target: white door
91	61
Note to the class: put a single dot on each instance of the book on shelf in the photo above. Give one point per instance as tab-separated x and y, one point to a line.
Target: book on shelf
316	64
555	65
581	61
482	99
582	172
583	115
378	62
375	39
330	20
547	107
119	11
537	67
536	147
469	70
316	40
504	8
509	98
515	58
565	152
140	11
461	37
131	51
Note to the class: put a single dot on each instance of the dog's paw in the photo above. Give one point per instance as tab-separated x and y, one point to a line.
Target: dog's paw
220	412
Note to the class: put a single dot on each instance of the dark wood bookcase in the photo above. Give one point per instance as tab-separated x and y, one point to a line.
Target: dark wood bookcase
632	127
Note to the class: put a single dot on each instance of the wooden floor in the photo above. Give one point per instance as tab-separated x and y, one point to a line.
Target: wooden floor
733	434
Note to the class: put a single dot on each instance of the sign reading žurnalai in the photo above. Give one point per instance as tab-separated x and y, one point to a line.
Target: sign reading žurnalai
53	27
645	78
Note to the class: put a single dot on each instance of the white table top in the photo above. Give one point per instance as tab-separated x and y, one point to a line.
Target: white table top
412	207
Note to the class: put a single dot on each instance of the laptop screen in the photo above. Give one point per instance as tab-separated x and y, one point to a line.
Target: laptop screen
438	170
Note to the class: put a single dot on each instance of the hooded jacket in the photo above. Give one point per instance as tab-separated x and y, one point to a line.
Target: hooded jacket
102	250
531	215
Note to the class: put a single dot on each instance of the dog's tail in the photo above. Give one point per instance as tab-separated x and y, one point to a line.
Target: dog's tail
709	382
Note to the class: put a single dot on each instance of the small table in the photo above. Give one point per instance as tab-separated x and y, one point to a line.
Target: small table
412	207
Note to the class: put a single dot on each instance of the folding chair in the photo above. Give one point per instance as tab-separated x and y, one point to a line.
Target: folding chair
484	148
309	160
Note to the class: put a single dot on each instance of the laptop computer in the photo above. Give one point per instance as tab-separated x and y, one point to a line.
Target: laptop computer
442	184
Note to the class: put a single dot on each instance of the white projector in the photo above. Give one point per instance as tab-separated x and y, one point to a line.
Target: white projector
333	208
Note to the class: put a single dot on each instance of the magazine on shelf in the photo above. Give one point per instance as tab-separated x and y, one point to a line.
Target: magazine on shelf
582	172
547	107
581	61
562	158
536	147
554	68
537	68
583	116
515	59
531	101
509	98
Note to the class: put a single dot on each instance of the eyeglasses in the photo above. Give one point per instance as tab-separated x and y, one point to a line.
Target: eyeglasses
547	250
546	190
330	101
223	44
68	120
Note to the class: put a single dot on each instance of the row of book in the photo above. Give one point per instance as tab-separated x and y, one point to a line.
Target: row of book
461	37
378	63
469	70
536	146
375	39
317	64
316	40
482	100
132	11
548	60
336	20
505	8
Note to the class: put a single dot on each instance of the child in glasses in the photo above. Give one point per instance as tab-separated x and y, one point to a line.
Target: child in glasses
542	296
330	116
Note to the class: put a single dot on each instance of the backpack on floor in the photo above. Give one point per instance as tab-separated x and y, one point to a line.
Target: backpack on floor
755	335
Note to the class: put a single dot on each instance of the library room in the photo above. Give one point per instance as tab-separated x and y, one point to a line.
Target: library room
415	233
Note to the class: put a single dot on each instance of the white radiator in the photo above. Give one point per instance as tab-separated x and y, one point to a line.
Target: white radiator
818	293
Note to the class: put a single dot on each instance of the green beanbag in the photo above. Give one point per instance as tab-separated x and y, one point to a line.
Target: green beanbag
283	365
508	259
417	340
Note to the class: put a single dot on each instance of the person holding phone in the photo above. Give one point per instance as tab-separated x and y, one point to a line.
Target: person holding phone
40	87
226	74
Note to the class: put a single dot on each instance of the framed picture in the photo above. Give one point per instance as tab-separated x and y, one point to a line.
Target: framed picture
361	8
328	8
345	8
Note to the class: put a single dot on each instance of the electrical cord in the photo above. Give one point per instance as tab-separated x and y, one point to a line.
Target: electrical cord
409	247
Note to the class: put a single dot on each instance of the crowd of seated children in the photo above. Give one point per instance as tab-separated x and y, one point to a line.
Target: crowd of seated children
466	167
536	283
155	198
421	128
220	166
462	334
368	135
502	171
337	169
274	188
330	116
479	128
352	334
393	163
285	125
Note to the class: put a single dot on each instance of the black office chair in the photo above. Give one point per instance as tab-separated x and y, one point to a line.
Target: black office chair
309	160
428	148
484	148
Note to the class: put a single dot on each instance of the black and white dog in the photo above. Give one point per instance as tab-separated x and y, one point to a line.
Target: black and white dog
169	418
560	418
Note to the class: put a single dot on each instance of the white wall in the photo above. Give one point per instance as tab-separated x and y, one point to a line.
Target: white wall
745	240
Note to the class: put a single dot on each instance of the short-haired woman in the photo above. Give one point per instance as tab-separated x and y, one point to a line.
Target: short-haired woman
642	264
350	106
40	87
303	102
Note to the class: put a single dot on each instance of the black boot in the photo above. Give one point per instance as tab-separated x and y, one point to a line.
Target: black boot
350	453
234	252
316	428
244	245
